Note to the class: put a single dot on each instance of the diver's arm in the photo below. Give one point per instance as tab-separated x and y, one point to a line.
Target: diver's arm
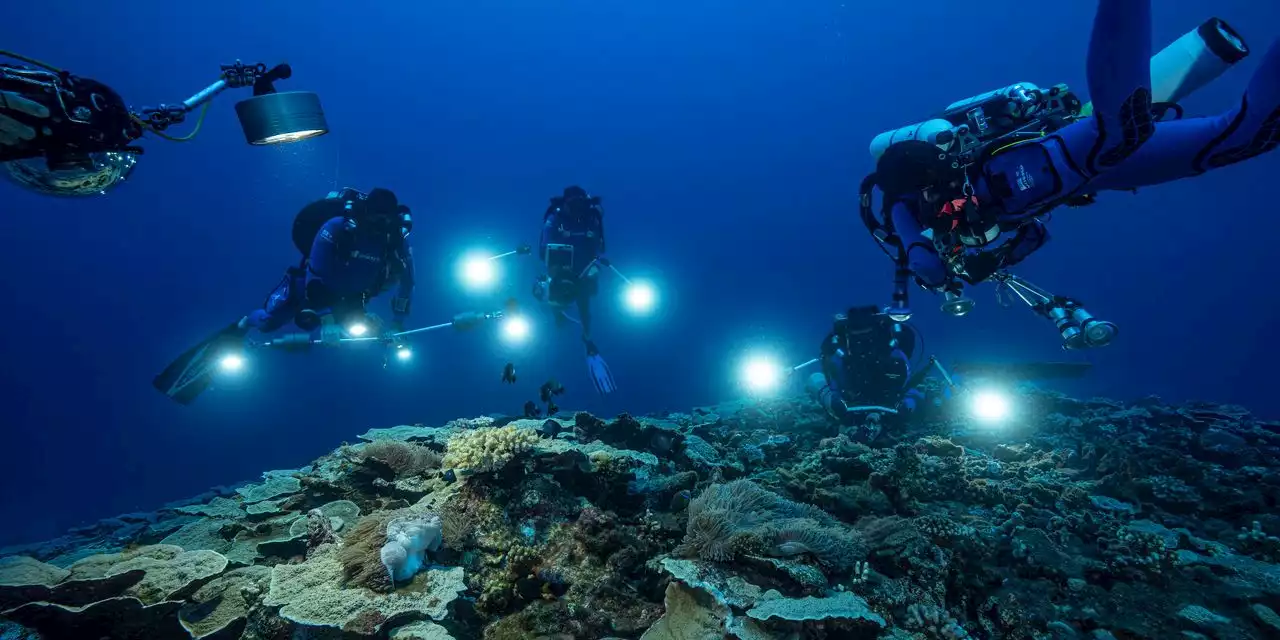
402	302
1029	239
327	250
921	257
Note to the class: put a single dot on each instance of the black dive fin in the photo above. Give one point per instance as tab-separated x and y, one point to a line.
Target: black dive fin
192	372
1026	370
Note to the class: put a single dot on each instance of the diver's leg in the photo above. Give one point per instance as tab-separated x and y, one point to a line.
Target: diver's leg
584	316
1183	148
1255	125
281	304
1119	75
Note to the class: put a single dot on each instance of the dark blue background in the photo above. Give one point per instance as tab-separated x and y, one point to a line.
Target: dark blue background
728	139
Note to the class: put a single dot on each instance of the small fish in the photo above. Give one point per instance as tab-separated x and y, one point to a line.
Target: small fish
549	390
552	408
509	373
533	410
680	501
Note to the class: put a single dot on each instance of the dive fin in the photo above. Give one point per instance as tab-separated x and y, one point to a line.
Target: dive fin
192	372
601	376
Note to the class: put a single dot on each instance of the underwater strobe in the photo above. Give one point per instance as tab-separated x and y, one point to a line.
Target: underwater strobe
1079	328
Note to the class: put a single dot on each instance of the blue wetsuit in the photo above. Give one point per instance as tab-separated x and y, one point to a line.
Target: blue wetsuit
345	268
1120	147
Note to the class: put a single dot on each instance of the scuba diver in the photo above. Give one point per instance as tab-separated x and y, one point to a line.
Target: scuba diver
572	250
965	194
67	135
354	247
867	366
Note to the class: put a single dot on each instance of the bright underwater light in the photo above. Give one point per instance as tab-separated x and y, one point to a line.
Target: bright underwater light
640	297
761	374
990	406
358	329
231	363
403	353
478	271
516	329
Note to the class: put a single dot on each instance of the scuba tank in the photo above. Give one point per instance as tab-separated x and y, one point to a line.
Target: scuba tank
965	126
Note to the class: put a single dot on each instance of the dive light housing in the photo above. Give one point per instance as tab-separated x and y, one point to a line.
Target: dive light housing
1079	328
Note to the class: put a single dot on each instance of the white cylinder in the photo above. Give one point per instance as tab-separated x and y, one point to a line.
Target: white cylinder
1195	59
1019	92
927	131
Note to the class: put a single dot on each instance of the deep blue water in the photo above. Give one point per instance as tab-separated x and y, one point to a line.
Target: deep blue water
727	139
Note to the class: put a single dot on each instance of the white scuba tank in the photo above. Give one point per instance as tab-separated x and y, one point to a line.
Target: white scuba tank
1195	59
1184	66
966	119
928	131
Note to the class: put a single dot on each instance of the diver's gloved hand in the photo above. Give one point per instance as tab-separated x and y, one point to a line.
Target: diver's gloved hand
12	131
982	265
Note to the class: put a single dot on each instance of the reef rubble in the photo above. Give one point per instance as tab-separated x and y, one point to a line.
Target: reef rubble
1074	519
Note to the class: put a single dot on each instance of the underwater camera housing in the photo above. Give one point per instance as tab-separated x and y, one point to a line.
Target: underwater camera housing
84	146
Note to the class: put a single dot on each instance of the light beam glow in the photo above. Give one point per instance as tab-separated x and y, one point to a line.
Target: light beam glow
403	353
516	329
990	406
641	297
231	363
761	374
358	330
478	271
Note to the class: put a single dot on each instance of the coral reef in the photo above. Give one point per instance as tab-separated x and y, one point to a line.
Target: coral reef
1081	519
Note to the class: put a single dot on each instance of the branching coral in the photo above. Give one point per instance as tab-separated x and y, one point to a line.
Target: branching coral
1255	542
487	449
935	623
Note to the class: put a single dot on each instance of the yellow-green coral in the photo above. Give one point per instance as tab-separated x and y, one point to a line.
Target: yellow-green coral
487	449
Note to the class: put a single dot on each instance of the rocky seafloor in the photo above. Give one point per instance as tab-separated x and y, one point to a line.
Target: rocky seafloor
1077	519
